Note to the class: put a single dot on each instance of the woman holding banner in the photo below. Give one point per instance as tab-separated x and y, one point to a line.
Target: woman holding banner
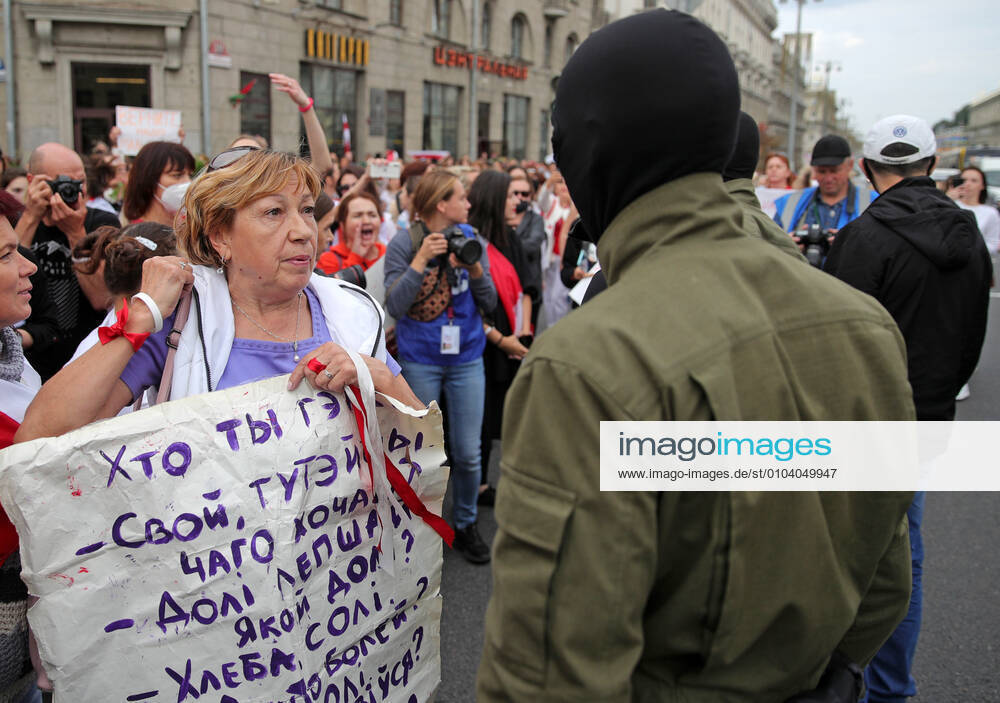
18	385
257	310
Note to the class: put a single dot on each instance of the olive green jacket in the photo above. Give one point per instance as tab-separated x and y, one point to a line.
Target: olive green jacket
691	597
756	223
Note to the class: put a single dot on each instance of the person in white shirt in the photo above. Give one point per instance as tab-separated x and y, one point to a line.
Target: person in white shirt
970	194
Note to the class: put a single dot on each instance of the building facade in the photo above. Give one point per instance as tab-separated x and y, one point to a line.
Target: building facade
746	27
403	72
984	120
785	74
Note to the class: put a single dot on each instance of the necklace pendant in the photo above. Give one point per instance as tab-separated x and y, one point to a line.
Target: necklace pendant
295	358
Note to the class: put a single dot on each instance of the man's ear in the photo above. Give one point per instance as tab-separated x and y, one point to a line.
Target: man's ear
933	165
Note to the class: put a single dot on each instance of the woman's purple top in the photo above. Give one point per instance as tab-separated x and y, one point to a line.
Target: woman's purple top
250	359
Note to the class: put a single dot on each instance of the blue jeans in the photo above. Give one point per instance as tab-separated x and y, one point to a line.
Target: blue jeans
464	387
888	678
34	695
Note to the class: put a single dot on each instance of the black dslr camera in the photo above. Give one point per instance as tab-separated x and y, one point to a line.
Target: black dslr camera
465	249
69	189
816	243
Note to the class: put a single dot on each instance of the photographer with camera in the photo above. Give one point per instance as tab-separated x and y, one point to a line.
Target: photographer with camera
437	278
814	215
56	219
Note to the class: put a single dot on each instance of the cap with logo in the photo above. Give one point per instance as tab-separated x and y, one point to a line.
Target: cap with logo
900	139
830	150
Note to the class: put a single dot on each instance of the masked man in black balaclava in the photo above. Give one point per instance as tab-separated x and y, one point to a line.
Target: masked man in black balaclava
684	596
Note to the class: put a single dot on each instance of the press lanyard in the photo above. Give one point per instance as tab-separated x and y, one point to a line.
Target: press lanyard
451	340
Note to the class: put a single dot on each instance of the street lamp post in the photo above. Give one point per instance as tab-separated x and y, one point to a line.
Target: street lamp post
473	99
793	118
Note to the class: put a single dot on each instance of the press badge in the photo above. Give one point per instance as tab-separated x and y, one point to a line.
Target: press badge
449	339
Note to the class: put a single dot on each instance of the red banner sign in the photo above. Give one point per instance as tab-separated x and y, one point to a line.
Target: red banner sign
461	59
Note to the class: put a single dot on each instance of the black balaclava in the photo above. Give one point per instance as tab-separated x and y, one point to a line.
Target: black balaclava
743	162
642	102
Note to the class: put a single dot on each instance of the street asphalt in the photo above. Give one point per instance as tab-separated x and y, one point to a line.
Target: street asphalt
958	657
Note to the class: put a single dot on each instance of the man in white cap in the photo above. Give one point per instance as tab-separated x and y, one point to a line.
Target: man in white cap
922	257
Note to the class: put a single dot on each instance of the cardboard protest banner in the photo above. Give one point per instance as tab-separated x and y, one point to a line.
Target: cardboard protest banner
141	125
767	196
226	548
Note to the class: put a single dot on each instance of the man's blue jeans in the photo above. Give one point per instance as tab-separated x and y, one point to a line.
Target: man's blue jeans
888	678
464	388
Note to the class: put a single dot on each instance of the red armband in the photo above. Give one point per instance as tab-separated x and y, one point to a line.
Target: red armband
308	107
106	334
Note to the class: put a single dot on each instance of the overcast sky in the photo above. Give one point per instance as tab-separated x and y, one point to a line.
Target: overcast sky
921	57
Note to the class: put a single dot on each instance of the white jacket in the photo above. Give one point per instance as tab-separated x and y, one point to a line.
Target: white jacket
354	321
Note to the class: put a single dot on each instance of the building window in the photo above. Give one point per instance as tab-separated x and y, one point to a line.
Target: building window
255	110
486	26
441	116
440	17
396	12
483	129
517	30
550	29
571	43
515	126
648	3
395	113
331	4
335	94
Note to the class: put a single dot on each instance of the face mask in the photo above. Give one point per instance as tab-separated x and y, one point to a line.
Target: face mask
173	197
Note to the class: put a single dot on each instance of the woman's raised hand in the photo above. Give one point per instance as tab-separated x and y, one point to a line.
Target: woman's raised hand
289	86
164	279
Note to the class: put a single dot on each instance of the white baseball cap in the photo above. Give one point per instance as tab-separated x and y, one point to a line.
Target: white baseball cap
900	139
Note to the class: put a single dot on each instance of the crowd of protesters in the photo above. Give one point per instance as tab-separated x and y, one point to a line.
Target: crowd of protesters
470	259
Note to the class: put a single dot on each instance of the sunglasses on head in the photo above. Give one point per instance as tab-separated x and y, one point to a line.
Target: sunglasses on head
229	157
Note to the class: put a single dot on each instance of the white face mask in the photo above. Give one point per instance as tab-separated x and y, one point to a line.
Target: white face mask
173	197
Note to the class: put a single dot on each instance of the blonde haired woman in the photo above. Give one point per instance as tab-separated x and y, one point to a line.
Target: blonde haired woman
257	311
435	295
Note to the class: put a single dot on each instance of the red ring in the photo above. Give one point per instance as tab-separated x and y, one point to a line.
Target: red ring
315	365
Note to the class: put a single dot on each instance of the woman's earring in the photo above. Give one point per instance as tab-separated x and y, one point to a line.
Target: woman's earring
222	267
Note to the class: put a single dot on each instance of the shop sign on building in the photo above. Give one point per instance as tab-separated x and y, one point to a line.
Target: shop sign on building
461	59
337	47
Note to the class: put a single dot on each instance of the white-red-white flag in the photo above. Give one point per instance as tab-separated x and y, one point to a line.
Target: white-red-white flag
347	131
